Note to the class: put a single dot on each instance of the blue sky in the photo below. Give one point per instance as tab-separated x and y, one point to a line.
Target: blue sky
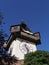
35	13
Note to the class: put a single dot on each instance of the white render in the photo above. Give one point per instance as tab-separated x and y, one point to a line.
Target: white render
18	48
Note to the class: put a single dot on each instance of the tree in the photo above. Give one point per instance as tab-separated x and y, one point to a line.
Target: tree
37	58
2	36
5	59
1	31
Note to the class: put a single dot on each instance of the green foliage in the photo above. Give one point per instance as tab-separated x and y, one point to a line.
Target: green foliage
37	58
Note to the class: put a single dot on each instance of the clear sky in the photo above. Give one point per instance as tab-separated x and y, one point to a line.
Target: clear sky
35	13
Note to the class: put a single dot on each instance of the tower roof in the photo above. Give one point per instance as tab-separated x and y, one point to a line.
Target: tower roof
22	31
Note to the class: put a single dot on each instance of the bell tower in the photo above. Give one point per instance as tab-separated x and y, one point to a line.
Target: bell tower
22	41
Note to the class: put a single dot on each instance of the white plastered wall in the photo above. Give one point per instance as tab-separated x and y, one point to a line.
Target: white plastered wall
18	49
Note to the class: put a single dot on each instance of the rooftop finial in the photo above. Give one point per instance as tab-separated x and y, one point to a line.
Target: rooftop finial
22	21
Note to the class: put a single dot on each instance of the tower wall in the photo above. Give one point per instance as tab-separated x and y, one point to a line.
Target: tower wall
20	47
